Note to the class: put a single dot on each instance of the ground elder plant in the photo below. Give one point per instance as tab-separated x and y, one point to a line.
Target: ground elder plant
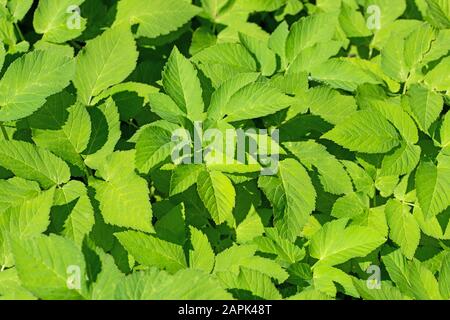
224	149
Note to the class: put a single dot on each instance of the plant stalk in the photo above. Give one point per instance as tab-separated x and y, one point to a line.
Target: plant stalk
3	129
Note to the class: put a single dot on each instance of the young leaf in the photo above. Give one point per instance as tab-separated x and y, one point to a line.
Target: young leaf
33	163
158	285
59	264
404	229
333	176
433	185
104	62
309	31
255	100
218	195
57	20
181	83
424	105
73	214
175	13
164	255
298	205
335	244
365	131
123	191
153	147
202	257
29	80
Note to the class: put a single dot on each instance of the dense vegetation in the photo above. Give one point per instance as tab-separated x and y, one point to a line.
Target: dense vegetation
346	99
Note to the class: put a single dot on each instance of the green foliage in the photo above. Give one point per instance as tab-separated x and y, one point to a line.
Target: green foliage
97	97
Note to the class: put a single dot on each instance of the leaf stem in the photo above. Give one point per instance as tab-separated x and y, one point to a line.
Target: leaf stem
3	129
22	38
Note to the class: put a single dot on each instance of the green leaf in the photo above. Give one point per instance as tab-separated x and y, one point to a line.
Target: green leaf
431	226
224	61
221	97
404	229
433	185
310	294
412	277
266	58
444	277
364	131
166	108
30	218
72	133
273	243
24	221
255	100
329	104
174	13
424	105
123	191
335	244
342	74
250	228
214	8
311	57
439	11
73	213
183	86
11	288
50	267
202	257
277	42
417	44
438	78
361	179
352	205
108	279
104	62
445	131
393	60
15	191
29	80
218	195
374	97
353	22
158	285
386	292
391	10
251	280
308	31
163	254
332	174
263	5
236	257
2	55
57	21
153	147
30	162
402	161
324	277
105	133
297	205
183	177
19	8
